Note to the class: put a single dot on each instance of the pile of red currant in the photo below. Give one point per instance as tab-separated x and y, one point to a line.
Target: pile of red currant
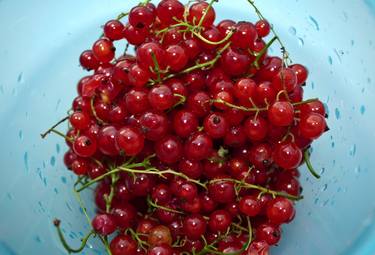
193	143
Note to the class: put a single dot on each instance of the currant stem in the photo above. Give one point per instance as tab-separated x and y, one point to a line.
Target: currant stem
306	101
242	108
156	68
43	135
260	15
139	241
100	121
306	157
122	15
260	188
263	51
155	205
62	135
67	247
205	13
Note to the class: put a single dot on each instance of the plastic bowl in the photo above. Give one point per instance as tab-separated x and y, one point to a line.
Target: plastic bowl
39	48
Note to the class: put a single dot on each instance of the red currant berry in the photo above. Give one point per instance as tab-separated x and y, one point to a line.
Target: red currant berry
84	146
185	123
106	141
198	146
200	9
285	80
301	73
194	226
263	28
250	206
113	30
88	60
220	221
130	140
176	58
281	114
104	224
123	244
312	126
256	128
215	125
287	155
160	97
245	34
104	50
169	10
141	16
80	120
280	210
268	233
169	149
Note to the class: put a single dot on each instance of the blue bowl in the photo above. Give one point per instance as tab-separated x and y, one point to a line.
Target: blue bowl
39	48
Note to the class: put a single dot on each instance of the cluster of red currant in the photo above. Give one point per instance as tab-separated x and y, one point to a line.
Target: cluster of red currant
194	142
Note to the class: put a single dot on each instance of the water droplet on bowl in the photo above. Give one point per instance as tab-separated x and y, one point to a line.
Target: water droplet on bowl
337	113
26	160
53	161
63	179
300	41
324	188
314	22
20	78
330	60
353	150
362	109
20	135
292	30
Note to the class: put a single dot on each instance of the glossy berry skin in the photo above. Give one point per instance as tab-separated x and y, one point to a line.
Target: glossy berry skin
235	137
220	221
244	89
234	62
131	140
106	141
123	244
261	155
176	57
161	98
80	120
135	36
161	194
265	94
88	60
167	10
197	11
194	226
256	128
301	73
80	166
268	233
84	146
263	28
199	103
136	101
244	35
154	125
270	68
141	16
124	215
286	80
104	50
316	106
215	125
312	126
225	26
280	210
69	158
222	191
184	123
104	224
191	168
281	113
113	30
145	54
169	149
287	155
198	146
138	75
250	206
162	249
159	235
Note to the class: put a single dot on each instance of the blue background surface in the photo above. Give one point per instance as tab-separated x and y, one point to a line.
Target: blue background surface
39	47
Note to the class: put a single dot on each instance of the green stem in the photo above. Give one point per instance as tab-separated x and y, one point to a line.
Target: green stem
260	188
43	135
140	242
242	108
109	198
306	157
263	51
205	13
155	205
226	38
70	139
156	68
306	101
65	244
100	121
122	15
106	245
